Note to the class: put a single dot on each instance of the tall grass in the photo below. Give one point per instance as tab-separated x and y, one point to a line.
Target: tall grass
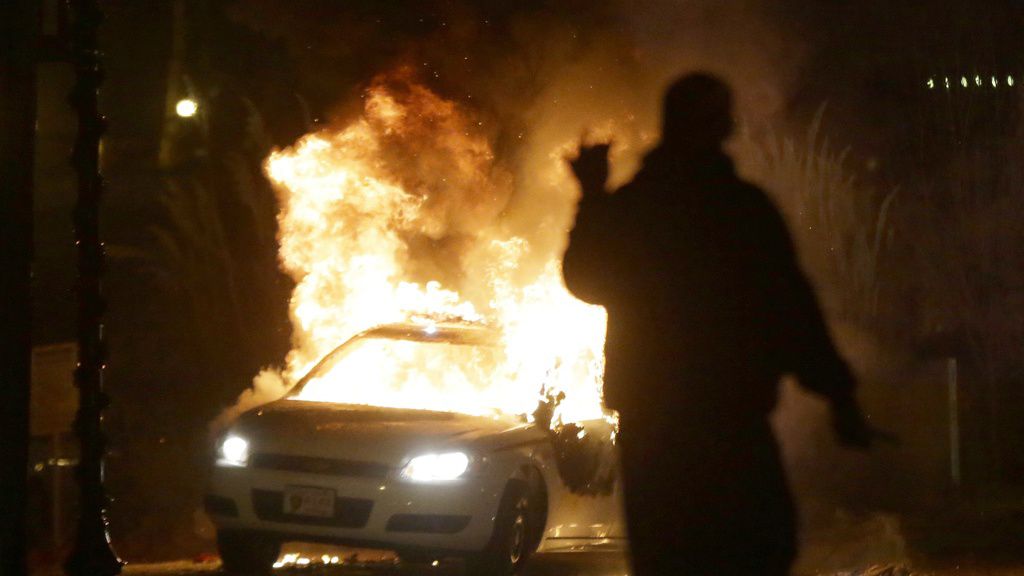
842	227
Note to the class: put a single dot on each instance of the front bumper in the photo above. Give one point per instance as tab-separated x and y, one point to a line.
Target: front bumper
455	517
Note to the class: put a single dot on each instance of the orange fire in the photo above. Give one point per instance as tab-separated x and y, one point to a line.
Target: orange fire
398	216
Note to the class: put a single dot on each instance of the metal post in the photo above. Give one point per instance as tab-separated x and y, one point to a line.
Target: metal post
18	29
57	498
92	555
952	372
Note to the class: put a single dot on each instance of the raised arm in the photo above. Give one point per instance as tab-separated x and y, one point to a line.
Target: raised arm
588	241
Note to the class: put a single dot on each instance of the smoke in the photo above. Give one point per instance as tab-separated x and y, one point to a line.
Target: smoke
521	63
535	78
266	387
531	80
538	76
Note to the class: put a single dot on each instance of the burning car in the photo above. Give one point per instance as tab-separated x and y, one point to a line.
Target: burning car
428	484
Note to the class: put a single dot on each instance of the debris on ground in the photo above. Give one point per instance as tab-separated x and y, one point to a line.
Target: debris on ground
880	570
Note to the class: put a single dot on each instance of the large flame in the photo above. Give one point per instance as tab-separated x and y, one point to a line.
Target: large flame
398	216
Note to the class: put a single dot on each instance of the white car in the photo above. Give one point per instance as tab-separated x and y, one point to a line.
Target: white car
425	484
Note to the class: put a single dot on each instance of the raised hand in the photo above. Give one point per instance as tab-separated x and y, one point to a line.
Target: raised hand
591	168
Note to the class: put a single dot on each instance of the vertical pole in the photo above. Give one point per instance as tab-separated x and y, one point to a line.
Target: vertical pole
91	555
952	373
18	31
57	501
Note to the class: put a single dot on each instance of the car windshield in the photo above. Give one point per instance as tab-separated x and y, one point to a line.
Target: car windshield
447	374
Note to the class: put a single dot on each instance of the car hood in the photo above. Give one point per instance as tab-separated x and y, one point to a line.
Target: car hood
372	434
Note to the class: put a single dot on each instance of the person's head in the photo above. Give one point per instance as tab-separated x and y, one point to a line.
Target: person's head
697	112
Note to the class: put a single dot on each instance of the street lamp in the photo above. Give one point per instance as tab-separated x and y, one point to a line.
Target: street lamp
186	108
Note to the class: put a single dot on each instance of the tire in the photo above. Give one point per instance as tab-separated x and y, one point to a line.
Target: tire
511	542
247	552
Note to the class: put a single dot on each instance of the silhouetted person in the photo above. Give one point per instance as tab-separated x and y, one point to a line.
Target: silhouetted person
707	309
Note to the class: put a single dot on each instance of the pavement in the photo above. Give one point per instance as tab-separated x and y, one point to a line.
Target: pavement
596	564
588	564
544	565
875	546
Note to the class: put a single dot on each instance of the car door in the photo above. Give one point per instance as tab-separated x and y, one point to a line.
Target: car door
582	510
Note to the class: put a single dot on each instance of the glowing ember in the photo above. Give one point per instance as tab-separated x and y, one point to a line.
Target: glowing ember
396	217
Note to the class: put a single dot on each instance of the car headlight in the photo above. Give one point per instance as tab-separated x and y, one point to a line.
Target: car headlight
234	451
436	467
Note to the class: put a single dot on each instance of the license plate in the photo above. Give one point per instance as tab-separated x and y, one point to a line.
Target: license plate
309	501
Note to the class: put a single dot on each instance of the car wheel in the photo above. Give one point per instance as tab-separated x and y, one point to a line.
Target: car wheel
247	553
510	544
